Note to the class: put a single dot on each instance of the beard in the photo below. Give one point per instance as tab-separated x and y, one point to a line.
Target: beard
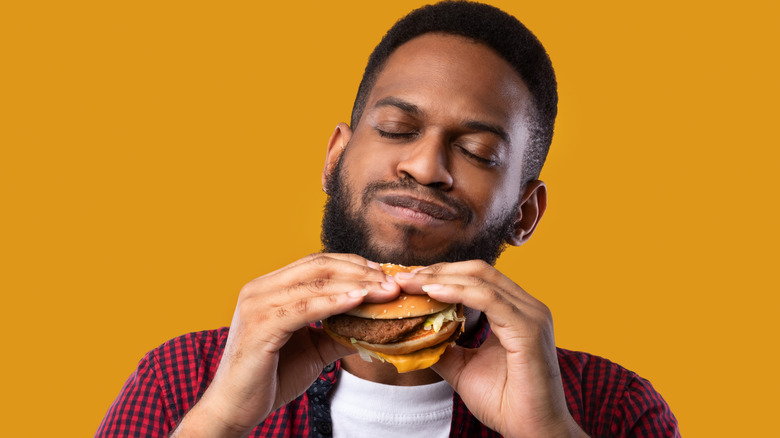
345	230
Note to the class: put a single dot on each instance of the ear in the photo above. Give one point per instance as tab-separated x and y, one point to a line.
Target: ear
529	213
336	144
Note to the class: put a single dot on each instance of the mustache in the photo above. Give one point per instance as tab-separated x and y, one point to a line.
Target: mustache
411	186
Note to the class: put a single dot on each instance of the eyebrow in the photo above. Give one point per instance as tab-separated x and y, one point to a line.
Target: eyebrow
488	127
414	110
400	104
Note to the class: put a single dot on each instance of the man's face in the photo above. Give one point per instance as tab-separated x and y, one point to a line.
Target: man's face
432	172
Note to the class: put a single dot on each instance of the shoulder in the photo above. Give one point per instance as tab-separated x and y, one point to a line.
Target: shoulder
609	400
202	346
596	373
584	367
193	357
184	366
168	380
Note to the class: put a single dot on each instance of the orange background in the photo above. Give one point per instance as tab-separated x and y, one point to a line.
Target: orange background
155	156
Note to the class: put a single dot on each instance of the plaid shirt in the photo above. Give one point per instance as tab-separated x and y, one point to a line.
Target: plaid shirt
605	399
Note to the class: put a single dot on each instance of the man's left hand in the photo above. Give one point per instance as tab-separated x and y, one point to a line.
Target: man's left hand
512	383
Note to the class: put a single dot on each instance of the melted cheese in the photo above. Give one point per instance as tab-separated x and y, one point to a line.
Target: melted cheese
415	361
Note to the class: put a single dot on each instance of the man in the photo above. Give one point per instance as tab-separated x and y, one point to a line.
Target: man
439	167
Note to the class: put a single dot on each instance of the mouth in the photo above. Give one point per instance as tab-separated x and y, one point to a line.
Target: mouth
418	210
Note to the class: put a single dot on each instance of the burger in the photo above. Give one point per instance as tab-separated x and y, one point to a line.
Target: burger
411	332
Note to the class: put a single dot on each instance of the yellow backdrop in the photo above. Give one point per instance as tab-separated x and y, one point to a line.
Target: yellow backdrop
155	156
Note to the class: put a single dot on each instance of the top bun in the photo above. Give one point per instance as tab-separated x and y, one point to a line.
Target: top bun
405	306
392	269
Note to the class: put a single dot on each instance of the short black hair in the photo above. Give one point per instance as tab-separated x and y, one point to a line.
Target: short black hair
501	32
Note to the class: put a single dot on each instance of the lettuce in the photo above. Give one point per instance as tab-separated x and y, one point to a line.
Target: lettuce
436	320
366	355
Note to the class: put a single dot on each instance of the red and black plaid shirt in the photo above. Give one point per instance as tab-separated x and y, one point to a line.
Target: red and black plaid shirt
605	399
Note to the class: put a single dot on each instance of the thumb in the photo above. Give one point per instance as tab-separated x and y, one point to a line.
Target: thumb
329	349
451	364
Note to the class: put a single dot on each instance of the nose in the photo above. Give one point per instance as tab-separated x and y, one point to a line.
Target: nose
427	162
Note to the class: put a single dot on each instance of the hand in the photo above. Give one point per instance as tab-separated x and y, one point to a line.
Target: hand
271	355
511	383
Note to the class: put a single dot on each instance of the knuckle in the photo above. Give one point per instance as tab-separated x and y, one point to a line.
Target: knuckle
479	282
546	313
301	306
493	294
481	265
248	288
435	269
319	259
313	286
367	284
365	270
317	284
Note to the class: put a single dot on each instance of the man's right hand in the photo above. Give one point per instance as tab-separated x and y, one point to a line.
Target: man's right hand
272	355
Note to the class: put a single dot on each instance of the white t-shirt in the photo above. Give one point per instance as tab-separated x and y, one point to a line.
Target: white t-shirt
361	408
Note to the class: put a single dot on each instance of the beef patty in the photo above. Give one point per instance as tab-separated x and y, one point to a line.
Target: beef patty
375	331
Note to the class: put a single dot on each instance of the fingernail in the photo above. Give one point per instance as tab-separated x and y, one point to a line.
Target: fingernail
374	265
388	286
432	287
404	275
418	269
358	293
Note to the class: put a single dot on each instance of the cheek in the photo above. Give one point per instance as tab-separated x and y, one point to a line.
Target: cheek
489	195
362	167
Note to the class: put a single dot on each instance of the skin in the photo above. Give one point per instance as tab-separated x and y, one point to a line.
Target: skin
457	114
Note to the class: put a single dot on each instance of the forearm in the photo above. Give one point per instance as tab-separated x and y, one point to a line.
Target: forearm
206	422
567	428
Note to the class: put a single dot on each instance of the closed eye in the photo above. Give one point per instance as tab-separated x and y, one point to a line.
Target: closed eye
477	158
395	135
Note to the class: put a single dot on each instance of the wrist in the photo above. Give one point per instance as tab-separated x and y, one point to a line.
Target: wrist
207	419
566	428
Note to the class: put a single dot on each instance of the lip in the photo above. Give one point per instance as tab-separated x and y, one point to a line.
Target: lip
417	210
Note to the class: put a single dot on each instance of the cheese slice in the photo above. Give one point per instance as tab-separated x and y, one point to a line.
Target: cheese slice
415	361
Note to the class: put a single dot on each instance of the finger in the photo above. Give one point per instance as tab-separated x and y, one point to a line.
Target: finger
414	282
451	364
325	351
430	278
508	319
456	359
331	266
313	276
317	258
475	268
296	302
280	322
373	291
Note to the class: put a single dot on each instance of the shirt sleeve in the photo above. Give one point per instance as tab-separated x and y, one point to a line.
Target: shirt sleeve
643	413
139	410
